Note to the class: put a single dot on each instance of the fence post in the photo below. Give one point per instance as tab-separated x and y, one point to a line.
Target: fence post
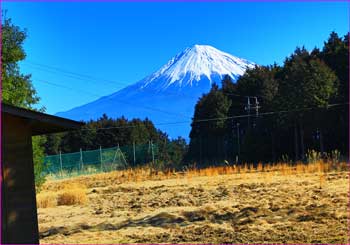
61	163
101	158
133	144
81	160
119	151
152	153
115	155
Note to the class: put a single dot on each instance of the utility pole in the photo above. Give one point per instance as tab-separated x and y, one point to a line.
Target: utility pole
238	146
233	136
247	108
256	106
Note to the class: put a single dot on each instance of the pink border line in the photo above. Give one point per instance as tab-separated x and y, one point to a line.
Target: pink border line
348	129
1	172
164	1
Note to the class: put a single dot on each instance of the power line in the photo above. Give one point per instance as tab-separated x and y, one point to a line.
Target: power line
218	118
158	110
239	95
196	121
65	87
117	100
85	77
271	113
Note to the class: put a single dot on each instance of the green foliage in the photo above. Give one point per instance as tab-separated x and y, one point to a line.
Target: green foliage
285	159
176	151
17	88
38	159
215	104
259	81
306	80
124	133
335	156
313	156
335	54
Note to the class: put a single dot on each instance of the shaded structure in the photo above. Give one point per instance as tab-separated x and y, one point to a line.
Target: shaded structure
19	213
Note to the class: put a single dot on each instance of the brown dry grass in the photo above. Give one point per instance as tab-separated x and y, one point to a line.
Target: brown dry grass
65	194
71	197
278	203
46	200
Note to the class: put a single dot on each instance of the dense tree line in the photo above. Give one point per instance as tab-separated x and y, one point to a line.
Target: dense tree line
17	88
108	132
303	91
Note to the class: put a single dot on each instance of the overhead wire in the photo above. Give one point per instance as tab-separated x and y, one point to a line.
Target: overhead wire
117	100
73	74
219	118
83	77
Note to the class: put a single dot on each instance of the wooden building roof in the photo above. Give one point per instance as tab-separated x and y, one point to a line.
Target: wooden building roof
41	123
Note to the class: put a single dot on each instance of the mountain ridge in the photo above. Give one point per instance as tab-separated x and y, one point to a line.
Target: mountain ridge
169	93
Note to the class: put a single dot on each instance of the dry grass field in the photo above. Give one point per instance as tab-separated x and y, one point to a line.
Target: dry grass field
251	204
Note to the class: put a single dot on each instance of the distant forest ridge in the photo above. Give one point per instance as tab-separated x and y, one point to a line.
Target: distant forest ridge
306	87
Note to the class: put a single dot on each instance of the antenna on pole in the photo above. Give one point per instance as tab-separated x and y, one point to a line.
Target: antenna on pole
256	106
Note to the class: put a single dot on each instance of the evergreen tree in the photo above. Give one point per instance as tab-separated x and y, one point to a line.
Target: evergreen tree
17	88
208	137
301	90
306	82
259	82
107	132
335	54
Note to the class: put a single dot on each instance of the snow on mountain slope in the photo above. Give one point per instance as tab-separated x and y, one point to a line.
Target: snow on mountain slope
195	63
169	94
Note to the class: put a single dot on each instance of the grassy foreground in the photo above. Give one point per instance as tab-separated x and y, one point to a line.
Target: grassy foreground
279	203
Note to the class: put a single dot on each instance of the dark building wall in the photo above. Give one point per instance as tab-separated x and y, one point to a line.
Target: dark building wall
19	213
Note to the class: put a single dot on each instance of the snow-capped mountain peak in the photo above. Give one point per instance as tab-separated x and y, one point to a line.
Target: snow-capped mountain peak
170	93
194	63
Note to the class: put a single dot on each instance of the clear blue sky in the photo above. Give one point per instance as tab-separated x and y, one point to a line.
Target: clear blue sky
124	42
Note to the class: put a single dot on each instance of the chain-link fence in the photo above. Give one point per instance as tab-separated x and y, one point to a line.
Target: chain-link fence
99	160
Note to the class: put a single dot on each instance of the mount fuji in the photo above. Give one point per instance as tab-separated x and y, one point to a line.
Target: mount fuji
168	95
